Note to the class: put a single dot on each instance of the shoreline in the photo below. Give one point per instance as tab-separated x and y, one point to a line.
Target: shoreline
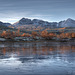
38	41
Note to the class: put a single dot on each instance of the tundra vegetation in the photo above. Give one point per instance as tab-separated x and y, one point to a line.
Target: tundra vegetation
37	35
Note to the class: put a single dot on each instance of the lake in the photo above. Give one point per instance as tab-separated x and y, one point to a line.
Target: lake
37	58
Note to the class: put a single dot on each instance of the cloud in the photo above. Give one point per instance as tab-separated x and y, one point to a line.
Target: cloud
38	15
12	16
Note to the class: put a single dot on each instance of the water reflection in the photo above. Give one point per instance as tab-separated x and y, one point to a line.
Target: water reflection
25	56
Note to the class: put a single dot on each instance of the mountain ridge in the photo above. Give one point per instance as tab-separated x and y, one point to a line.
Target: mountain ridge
37	22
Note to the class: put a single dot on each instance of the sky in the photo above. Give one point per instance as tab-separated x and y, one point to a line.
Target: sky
48	10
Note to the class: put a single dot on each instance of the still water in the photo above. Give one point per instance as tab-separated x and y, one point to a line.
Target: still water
37	58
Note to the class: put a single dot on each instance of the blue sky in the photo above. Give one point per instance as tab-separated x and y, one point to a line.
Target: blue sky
49	10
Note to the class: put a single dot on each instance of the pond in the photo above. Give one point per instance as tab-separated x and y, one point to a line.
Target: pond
37	58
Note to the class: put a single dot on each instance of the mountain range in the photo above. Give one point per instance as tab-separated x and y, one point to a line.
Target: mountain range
26	23
35	22
67	23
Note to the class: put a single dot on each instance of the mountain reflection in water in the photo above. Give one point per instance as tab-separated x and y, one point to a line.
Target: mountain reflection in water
53	58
